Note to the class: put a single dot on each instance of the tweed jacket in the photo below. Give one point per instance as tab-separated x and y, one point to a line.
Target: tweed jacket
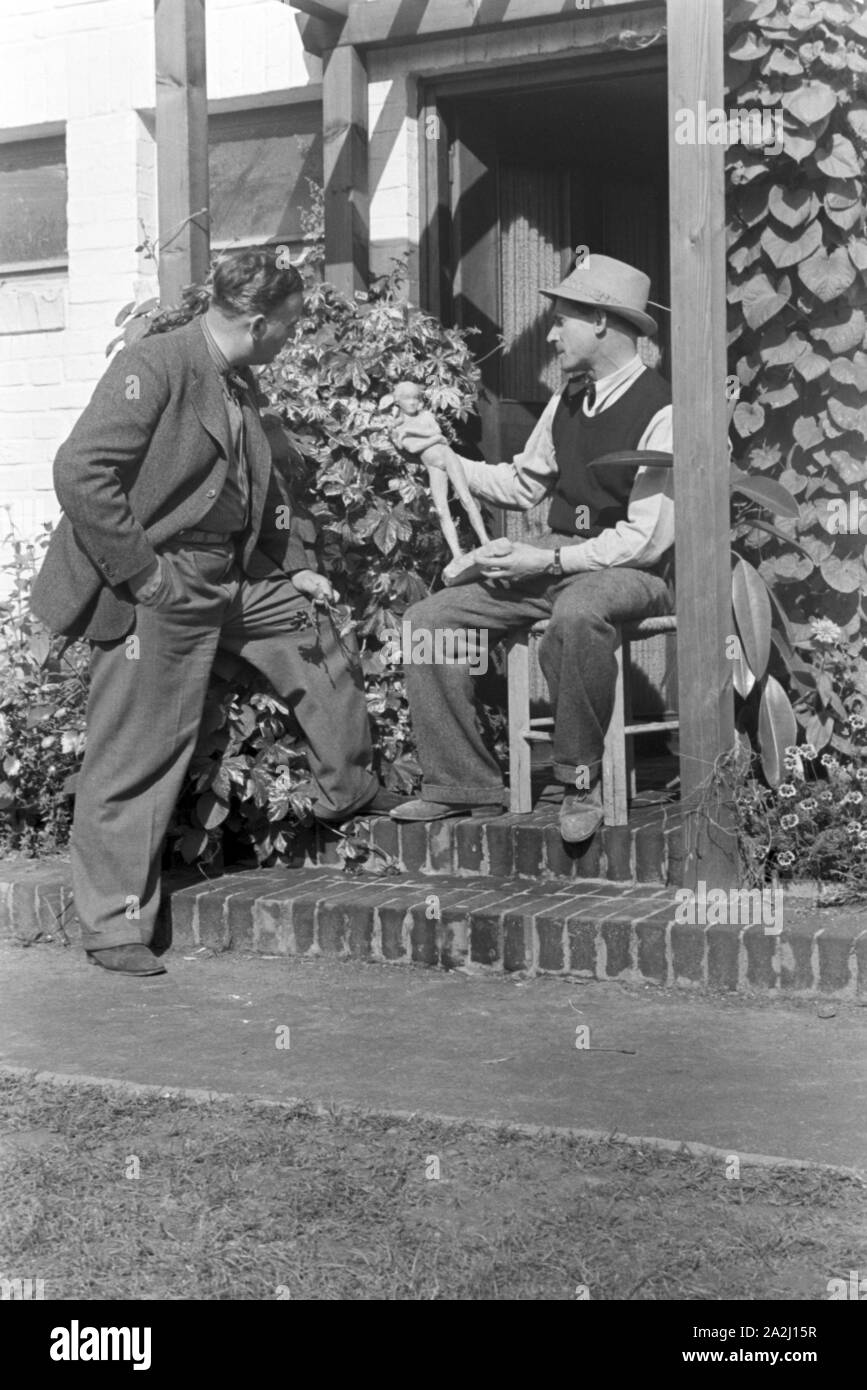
147	458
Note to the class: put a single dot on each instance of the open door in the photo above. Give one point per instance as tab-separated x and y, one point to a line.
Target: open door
532	175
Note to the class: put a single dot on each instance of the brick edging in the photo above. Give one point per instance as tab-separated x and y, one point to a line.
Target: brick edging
591	930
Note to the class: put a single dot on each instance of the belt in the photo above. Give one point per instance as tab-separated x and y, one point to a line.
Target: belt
206	537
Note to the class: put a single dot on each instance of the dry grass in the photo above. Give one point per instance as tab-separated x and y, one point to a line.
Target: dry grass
240	1202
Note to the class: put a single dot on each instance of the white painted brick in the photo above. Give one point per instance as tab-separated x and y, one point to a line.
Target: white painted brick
87	368
46	426
13	373
45	370
102	236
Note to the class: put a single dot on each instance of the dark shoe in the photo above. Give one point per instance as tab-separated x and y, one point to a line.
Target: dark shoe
382	804
127	960
441	810
581	816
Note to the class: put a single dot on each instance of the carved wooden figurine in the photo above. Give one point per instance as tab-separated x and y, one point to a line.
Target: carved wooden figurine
418	421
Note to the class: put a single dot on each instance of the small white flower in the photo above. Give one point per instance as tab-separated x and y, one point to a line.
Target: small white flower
825	631
786	859
785	789
807	750
789	822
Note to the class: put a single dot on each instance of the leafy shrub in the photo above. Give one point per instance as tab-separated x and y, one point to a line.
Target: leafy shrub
43	694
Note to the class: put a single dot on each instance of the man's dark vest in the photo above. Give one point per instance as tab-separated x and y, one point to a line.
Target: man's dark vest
580	438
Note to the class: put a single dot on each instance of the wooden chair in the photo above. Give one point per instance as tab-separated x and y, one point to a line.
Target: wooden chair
618	772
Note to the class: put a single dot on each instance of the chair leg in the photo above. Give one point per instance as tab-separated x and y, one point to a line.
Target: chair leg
614	794
518	682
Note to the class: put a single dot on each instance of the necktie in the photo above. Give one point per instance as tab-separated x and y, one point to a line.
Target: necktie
236	389
580	388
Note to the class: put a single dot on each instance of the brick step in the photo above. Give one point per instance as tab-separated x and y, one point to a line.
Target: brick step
648	850
596	930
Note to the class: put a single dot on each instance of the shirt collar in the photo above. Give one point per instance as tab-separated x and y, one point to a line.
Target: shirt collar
606	385
218	357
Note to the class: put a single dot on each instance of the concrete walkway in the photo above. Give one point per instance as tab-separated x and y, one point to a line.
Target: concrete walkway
778	1078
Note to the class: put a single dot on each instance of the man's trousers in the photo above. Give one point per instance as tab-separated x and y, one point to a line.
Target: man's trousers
576	654
147	692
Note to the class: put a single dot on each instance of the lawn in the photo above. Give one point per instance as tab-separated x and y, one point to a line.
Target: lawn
239	1201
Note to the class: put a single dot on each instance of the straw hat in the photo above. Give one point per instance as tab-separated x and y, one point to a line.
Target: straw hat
608	284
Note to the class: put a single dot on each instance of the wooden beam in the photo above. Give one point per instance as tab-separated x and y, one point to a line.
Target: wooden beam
402	21
182	145
344	157
701	464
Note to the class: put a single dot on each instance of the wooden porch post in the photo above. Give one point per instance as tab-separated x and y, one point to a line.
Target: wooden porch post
344	117
701	466
182	145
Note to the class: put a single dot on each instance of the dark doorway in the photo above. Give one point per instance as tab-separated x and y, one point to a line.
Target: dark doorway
533	173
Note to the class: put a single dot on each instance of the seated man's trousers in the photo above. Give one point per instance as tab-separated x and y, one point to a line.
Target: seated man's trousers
147	693
576	654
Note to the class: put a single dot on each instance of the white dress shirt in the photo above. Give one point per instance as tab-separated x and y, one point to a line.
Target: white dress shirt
648	530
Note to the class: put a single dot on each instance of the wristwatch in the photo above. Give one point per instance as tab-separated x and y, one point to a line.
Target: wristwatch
556	568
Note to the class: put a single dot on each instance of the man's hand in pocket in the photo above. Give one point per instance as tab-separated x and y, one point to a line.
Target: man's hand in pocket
146	583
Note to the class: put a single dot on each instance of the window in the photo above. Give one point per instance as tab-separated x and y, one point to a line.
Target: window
33	204
260	163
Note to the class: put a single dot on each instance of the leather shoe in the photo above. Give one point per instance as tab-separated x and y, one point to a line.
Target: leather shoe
441	810
581	816
133	959
382	803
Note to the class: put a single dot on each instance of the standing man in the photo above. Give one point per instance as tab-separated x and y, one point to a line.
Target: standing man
179	537
605	560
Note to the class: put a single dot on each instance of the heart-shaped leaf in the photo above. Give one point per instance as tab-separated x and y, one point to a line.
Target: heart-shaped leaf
780	61
844	576
857	248
810	101
851	371
778	729
857	118
780	396
793	206
844	466
786	250
748	11
838	158
779	348
811	365
807	432
762	300
848	417
752	610
846	218
748	46
748	418
798	144
843	193
840	326
827	276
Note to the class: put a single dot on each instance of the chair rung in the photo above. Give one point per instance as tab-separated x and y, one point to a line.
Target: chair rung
532	737
543	721
652	726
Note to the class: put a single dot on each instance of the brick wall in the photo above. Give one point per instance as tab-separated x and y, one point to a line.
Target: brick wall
87	69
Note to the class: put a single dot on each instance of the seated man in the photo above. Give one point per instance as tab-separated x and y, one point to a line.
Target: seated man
179	537
606	559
